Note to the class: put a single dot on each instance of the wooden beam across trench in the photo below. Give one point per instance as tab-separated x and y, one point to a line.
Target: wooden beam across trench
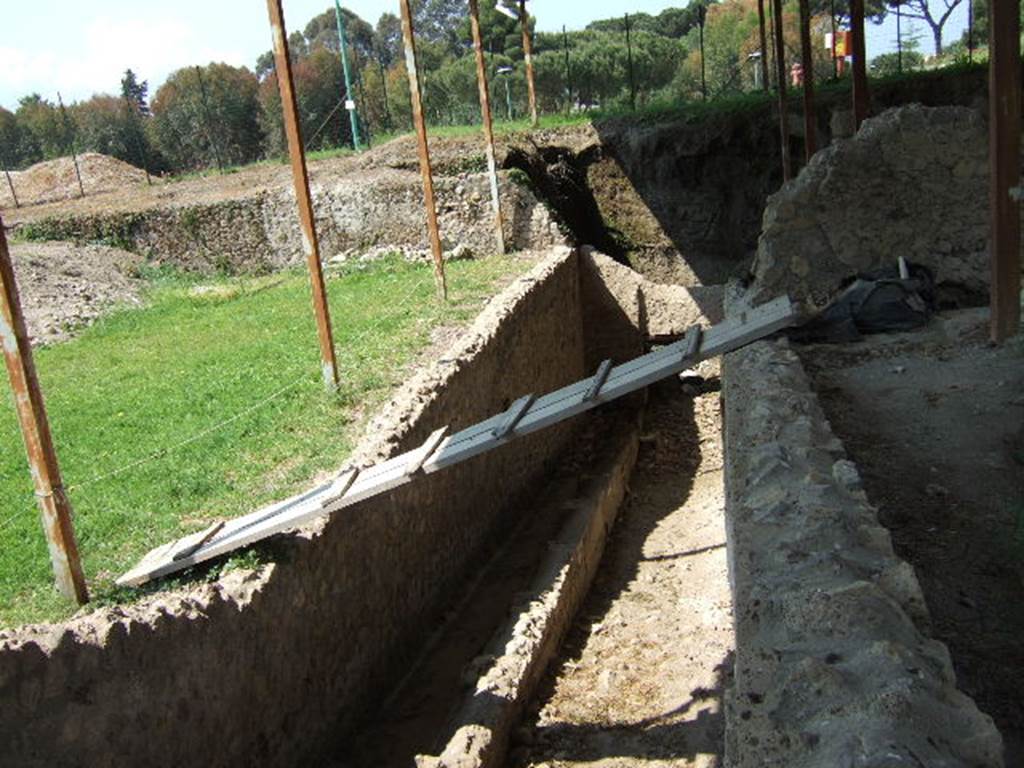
528	414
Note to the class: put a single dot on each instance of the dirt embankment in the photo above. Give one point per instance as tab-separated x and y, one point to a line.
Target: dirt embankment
64	287
57	180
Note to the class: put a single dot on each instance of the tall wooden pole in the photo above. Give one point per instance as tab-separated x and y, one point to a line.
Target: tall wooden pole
807	62
765	80
524	22
54	505
409	37
780	73
485	112
74	154
1004	85
860	67
10	184
300	180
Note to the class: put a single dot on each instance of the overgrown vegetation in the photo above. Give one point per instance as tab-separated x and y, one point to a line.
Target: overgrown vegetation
207	403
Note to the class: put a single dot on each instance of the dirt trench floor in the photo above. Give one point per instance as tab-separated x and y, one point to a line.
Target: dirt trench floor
935	422
641	678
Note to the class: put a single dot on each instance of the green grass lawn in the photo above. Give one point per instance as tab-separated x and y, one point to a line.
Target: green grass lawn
153	385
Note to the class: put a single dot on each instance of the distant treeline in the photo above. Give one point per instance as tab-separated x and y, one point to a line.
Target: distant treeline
219	114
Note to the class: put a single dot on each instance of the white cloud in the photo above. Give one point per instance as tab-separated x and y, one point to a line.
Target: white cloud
153	47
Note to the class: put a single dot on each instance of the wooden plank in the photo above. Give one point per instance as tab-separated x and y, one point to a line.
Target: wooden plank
598	381
423	452
192	543
340	485
513	416
527	415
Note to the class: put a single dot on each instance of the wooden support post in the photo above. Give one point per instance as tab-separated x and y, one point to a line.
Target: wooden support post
74	154
861	97
54	505
416	97
765	80
485	112
1004	84
524	22
300	179
807	62
10	184
780	73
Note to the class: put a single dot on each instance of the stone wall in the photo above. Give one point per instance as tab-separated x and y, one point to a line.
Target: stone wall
912	182
833	667
260	232
274	666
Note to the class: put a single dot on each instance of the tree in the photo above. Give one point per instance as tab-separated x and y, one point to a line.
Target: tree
45	134
922	9
11	149
192	131
135	93
388	39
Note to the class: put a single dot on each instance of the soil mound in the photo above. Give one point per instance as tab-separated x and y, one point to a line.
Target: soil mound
53	180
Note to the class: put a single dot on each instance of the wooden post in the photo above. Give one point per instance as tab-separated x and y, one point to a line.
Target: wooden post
524	22
780	73
409	37
10	184
300	180
1004	85
54	505
74	154
860	71
485	112
765	80
807	62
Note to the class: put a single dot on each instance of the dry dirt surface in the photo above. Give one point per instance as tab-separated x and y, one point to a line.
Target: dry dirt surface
55	180
935	422
641	678
65	287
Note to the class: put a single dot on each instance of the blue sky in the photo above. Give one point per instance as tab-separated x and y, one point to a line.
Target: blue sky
81	48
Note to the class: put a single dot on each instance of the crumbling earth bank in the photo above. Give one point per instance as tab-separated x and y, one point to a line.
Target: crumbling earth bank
912	182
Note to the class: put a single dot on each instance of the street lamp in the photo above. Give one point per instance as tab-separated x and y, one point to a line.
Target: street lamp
506	71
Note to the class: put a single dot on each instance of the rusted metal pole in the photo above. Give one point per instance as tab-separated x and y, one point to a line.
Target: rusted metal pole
409	38
485	111
807	62
765	81
780	73
1004	85
524	22
860	70
300	179
74	155
54	505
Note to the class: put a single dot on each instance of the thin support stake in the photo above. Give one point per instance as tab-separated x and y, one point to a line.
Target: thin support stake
1004	166
780	73
74	155
485	112
765	79
524	22
807	62
416	97
300	179
860	71
54	504
10	184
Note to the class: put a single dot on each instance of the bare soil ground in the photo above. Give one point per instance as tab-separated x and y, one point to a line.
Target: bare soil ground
640	681
65	287
935	422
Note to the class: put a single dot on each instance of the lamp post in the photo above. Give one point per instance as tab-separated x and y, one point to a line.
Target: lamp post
505	72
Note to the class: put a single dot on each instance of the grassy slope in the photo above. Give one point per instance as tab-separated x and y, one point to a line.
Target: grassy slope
142	381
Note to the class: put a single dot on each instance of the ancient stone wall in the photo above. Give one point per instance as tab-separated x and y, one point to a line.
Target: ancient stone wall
272	667
260	232
833	663
912	183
